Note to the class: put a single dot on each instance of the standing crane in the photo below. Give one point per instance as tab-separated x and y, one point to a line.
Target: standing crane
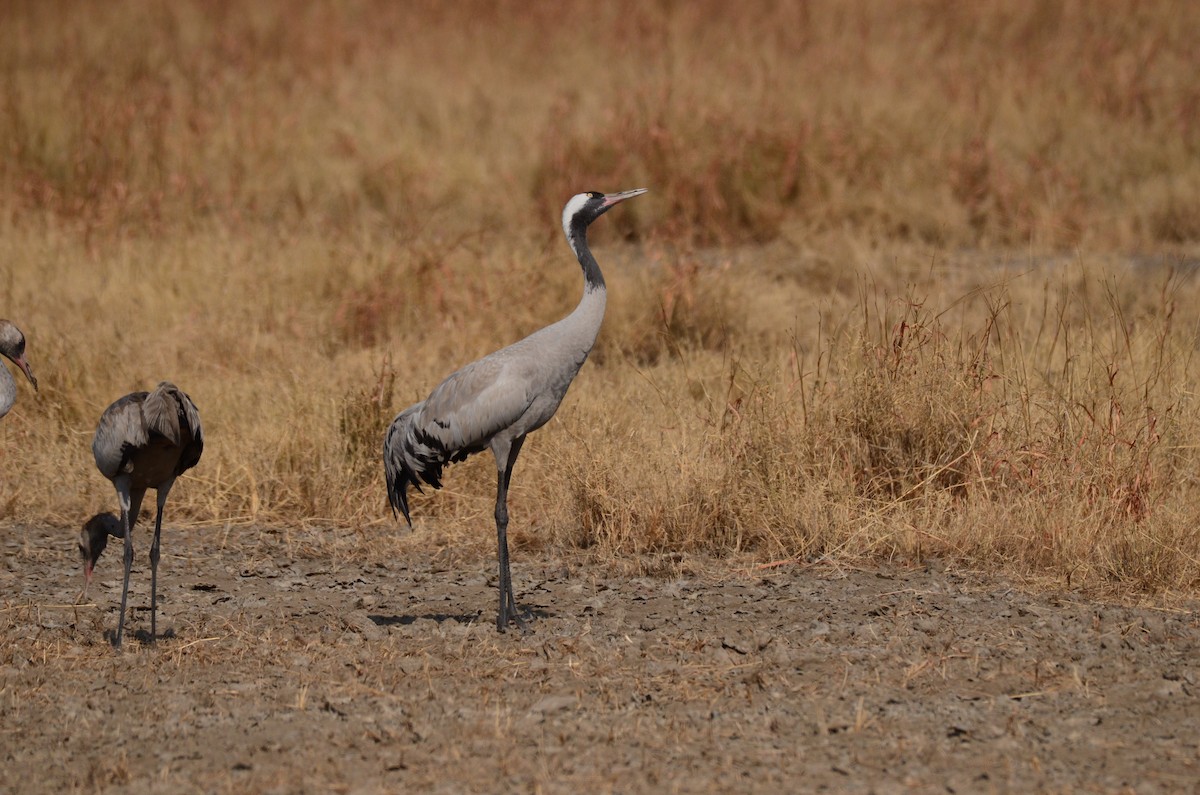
498	400
12	345
143	441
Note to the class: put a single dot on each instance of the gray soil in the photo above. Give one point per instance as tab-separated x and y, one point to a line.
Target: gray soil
282	671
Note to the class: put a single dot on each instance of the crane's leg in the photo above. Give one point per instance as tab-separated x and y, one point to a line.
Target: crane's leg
131	503
163	490
505	461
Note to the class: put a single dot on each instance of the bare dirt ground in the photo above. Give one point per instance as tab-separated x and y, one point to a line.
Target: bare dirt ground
285	672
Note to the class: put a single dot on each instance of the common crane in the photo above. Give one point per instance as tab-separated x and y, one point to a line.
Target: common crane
143	441
497	401
12	345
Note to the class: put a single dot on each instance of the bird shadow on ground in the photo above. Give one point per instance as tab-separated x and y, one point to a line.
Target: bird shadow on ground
461	618
387	621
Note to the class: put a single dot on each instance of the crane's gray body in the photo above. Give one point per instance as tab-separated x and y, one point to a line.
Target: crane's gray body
144	440
149	437
12	345
495	402
500	398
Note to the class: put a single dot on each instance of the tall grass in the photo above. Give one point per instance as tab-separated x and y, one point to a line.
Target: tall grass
985	423
912	278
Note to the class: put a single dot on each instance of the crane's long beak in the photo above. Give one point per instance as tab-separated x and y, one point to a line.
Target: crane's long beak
24	365
613	198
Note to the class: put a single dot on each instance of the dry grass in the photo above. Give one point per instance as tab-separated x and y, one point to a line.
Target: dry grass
912	278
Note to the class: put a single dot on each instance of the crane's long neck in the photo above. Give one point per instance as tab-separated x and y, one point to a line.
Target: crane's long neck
8	390
590	311
577	238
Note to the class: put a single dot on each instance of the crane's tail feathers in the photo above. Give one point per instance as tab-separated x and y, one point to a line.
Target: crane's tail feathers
408	458
398	495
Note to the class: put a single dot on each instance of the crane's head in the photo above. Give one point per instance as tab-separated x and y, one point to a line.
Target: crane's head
583	208
93	539
12	345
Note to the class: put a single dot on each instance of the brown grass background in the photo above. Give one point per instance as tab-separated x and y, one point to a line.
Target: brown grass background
913	278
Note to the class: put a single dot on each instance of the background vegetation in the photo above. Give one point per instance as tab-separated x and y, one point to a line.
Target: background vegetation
912	278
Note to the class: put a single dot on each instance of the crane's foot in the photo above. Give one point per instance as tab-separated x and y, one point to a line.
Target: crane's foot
511	615
151	638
